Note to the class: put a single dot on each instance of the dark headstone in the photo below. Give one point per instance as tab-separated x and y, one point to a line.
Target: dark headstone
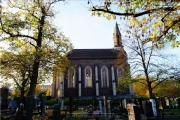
138	102
56	112
19	101
42	106
95	103
178	101
147	108
35	103
29	107
70	104
4	98
20	115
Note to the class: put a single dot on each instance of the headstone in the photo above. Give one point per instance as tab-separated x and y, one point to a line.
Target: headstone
167	102
153	102
12	106
29	107
70	104
138	102
171	102
100	106
147	108
4	100
35	103
43	106
19	101
133	112
56	112
178	101
124	103
62	104
109	106
95	103
105	104
20	113
163	102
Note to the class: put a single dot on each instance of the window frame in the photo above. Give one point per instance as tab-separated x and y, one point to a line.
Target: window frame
106	74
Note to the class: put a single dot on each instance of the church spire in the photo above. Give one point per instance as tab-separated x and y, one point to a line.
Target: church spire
117	37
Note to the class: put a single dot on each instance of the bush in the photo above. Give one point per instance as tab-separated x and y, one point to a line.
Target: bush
51	102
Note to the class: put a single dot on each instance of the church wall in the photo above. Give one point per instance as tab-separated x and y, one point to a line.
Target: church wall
91	91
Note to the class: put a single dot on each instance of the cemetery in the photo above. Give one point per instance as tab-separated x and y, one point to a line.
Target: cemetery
48	108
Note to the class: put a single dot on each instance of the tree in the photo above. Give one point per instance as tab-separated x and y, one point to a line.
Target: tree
148	67
17	66
27	27
160	18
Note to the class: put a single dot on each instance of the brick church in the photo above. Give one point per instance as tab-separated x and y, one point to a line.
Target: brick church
94	73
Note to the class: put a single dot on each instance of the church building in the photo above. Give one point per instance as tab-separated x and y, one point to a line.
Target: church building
94	73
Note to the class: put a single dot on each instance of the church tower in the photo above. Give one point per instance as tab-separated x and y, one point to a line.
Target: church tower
117	38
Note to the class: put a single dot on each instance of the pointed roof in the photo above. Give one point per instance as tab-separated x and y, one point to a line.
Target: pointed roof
116	30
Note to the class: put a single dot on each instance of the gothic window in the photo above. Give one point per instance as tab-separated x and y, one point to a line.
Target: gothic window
88	77
71	78
104	77
119	72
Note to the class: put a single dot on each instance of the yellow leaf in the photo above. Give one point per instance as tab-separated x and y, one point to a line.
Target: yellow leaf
144	20
93	14
114	16
132	23
144	29
154	33
173	44
121	7
177	44
161	45
108	17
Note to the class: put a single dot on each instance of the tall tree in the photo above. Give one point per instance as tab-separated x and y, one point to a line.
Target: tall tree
28	26
160	18
148	66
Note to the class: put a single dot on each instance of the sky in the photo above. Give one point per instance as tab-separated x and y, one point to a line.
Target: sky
84	31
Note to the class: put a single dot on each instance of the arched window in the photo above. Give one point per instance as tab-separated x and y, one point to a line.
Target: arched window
88	77
71	78
119	72
104	77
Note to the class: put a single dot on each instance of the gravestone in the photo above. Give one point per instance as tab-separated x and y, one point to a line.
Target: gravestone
4	100
105	104
163	102
56	112
133	112
167	102
171	102
147	108
43	106
138	102
29	107
19	101
154	108
178	101
12	106
20	113
160	109
35	103
95	104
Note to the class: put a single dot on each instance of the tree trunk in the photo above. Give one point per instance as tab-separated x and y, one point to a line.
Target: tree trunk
33	79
